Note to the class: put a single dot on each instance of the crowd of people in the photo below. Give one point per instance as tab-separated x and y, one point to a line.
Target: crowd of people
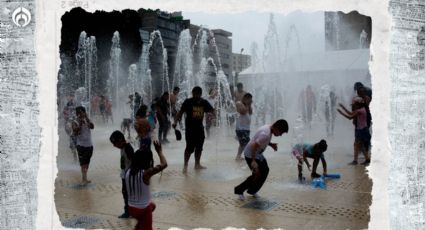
137	167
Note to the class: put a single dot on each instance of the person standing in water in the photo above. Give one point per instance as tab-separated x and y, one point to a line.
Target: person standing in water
69	117
127	153
174	96
243	122
239	92
102	108
195	109
82	128
137	181
137	102
362	133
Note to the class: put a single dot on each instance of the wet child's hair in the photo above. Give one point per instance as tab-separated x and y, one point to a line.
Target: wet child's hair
247	96
197	90
281	125
142	111
116	137
321	146
142	160
80	109
358	102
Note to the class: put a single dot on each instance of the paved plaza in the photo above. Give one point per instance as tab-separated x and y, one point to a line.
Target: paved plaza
205	198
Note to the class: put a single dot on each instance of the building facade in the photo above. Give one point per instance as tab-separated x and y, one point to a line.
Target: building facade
241	62
347	31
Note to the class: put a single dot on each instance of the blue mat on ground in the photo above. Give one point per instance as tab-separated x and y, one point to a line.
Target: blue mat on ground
319	183
333	175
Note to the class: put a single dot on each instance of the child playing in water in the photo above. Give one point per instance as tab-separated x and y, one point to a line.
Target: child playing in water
143	128
127	152
362	134
137	179
82	128
304	151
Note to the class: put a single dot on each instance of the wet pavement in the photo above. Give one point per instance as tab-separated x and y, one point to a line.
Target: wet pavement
205	198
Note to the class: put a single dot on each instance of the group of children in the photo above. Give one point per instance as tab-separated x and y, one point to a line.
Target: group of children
253	153
101	106
137	166
253	149
362	121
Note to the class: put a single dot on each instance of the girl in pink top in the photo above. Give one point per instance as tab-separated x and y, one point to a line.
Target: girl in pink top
362	134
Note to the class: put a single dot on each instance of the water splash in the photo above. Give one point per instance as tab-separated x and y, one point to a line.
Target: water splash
255	61
86	58
200	46
132	82
272	54
156	44
214	45
81	97
184	64
196	66
115	71
327	103
290	35
165	79
145	74
224	100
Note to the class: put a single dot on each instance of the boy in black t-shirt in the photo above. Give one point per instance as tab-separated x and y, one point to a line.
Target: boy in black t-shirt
195	109
118	140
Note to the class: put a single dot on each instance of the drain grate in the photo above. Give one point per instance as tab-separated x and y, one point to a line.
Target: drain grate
163	194
73	220
66	215
328	211
80	222
224	201
118	224
365	186
263	205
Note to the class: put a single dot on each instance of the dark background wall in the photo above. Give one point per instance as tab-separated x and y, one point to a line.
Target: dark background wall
102	25
347	30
